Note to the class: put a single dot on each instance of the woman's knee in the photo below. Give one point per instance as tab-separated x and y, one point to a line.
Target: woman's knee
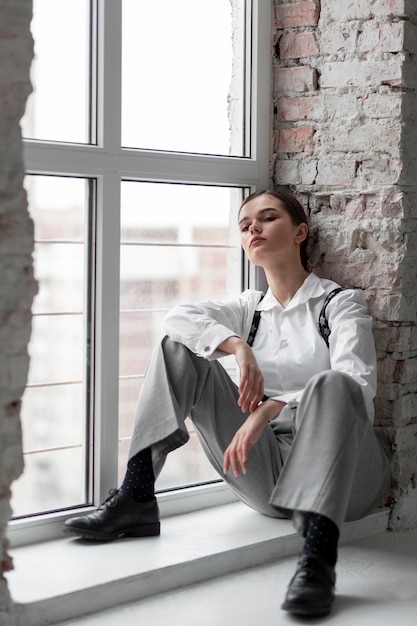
177	350
336	382
332	377
170	346
335	394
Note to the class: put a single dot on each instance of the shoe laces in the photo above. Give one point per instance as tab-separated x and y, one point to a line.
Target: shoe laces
304	567
111	500
307	568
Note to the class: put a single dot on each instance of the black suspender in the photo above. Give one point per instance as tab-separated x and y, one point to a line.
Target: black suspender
254	327
255	323
323	324
324	328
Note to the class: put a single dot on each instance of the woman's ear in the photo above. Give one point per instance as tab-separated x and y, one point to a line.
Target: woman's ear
302	232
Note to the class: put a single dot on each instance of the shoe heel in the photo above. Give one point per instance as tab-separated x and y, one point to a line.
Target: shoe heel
147	530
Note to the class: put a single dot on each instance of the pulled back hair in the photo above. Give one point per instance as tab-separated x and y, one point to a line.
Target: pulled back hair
294	210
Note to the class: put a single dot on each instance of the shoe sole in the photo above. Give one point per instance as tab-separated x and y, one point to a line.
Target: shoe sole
303	610
148	530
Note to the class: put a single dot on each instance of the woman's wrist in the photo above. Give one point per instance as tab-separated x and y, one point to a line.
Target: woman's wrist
272	408
232	344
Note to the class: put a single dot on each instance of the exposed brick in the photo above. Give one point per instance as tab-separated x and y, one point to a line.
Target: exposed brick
364	138
350	206
380	171
344	10
338	40
380	106
299	108
305	13
381	37
296	139
297	46
364	73
340	107
398	339
402	371
290	79
385	306
384	205
404	411
308	171
335	173
287	172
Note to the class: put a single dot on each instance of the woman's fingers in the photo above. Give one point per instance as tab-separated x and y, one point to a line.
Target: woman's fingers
236	454
251	382
235	458
251	393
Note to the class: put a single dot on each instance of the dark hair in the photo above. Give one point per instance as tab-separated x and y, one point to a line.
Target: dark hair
294	210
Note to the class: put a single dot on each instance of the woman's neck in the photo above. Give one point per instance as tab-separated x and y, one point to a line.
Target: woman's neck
284	284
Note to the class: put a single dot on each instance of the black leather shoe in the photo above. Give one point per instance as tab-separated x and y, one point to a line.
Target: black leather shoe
118	516
311	590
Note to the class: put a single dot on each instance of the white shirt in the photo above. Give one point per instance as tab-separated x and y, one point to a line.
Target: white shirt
288	346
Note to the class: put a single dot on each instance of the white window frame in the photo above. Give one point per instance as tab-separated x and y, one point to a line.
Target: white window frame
109	164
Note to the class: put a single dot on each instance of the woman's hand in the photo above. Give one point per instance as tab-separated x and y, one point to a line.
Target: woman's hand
236	453
251	386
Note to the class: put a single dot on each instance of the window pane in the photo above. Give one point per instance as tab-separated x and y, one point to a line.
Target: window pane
57	108
179	243
54	415
42	492
183	76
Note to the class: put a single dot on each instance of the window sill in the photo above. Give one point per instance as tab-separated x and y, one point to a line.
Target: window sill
32	530
67	578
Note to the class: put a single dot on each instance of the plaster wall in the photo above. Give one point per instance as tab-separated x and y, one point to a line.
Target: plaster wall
17	285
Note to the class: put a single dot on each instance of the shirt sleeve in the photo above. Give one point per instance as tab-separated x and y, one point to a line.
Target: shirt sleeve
203	327
351	342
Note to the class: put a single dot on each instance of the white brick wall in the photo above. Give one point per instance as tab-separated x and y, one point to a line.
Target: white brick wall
357	173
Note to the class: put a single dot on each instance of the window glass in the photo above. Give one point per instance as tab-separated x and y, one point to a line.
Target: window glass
54	415
183	68
57	109
179	243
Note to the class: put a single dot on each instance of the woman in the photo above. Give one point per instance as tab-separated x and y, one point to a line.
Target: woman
295	439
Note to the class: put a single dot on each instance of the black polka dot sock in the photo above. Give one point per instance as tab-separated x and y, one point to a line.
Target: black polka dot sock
321	538
139	480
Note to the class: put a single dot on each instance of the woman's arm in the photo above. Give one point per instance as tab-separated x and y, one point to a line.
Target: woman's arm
204	326
351	343
251	390
236	454
251	385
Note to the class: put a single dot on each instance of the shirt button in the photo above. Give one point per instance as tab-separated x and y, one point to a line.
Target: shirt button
207	349
284	343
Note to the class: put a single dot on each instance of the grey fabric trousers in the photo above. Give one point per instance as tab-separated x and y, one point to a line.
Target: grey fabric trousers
321	455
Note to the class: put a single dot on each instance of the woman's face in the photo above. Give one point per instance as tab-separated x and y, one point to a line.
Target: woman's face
268	233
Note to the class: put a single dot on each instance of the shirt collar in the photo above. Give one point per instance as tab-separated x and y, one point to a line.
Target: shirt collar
311	288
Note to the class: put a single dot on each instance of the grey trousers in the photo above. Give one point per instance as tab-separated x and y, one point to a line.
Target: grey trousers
321	455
